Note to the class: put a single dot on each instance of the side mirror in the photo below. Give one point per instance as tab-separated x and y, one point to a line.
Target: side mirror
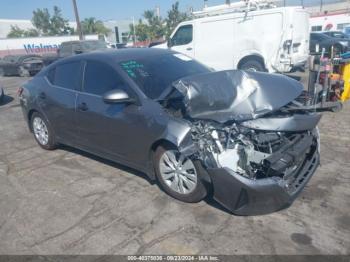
116	96
169	43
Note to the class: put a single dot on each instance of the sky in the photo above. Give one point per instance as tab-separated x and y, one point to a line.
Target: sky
107	9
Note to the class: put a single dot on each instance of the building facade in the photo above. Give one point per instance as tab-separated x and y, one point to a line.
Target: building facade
122	27
327	17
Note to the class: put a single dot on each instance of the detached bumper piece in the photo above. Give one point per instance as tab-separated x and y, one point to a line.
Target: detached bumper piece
245	196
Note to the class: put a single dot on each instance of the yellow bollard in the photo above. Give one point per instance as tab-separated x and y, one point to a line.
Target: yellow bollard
346	77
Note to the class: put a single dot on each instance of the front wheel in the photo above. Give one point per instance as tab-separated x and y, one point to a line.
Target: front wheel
23	72
43	134
178	175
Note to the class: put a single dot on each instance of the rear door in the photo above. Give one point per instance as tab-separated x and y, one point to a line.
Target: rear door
301	36
182	40
58	99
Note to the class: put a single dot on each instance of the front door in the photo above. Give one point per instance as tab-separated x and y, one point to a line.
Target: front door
182	40
107	129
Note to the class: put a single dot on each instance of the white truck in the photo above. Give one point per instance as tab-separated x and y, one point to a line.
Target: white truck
36	45
253	35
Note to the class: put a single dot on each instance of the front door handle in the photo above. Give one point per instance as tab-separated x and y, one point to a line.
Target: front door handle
189	48
83	107
42	95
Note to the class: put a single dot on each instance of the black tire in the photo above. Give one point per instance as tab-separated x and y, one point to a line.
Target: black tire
196	195
337	49
51	142
252	65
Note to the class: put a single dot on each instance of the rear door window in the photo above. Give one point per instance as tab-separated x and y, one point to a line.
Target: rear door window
100	78
65	50
67	75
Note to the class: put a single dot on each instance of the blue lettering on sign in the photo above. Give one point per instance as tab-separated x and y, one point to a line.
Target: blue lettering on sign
40	48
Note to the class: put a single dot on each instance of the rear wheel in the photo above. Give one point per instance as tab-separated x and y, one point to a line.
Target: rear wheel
252	65
178	175
337	49
43	134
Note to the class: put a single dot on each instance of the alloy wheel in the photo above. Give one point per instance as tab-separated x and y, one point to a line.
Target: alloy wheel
40	131
178	172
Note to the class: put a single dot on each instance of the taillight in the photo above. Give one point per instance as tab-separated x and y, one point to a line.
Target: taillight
286	45
20	91
296	47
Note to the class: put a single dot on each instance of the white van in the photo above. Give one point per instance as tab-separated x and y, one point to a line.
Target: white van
273	39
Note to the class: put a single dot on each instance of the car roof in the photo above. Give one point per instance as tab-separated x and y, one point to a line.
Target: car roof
118	55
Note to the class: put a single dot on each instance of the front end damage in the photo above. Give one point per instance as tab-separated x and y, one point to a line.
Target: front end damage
259	155
253	171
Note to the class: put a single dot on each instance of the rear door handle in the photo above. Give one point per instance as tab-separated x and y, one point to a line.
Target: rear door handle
83	107
42	95
189	48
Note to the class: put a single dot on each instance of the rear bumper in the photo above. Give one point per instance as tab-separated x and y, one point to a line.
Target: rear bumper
245	196
300	66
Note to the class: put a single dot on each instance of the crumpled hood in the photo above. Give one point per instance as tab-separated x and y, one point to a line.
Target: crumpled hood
235	94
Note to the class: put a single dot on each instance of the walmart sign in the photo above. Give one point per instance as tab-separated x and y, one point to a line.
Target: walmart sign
40	48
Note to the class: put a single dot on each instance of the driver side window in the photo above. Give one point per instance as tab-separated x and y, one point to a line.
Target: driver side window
100	78
183	35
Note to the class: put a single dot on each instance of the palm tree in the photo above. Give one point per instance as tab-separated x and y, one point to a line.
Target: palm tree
92	26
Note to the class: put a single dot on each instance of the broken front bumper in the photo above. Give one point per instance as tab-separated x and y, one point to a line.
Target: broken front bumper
245	196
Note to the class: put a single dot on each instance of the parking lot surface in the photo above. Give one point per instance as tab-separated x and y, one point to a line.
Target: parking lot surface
70	202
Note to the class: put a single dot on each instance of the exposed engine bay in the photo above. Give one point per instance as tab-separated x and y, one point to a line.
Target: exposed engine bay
251	153
274	140
258	145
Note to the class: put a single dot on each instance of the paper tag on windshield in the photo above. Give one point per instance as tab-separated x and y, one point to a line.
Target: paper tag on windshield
183	57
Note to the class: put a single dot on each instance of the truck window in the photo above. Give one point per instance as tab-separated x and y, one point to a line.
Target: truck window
183	35
65	50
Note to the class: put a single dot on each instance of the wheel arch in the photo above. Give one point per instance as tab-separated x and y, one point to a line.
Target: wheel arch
29	117
163	141
152	150
30	114
251	57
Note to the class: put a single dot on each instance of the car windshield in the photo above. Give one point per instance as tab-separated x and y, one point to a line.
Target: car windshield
320	36
93	45
154	74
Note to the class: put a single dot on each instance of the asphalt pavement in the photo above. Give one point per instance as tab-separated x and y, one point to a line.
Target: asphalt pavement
70	202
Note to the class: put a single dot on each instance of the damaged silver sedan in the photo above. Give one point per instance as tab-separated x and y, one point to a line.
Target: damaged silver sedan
239	136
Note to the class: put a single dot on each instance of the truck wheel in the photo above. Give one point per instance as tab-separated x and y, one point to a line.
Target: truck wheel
252	65
23	72
178	175
337	49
